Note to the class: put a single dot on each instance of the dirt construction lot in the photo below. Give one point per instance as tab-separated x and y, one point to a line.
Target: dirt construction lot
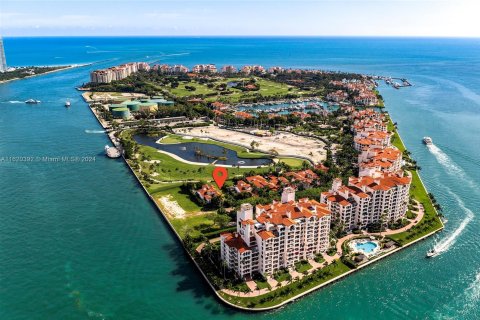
283	143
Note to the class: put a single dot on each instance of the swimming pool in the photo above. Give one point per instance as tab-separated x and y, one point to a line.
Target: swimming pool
366	247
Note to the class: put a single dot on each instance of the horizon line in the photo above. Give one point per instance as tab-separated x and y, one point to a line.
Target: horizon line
242	36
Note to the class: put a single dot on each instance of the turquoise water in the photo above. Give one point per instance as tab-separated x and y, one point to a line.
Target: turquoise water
366	247
80	240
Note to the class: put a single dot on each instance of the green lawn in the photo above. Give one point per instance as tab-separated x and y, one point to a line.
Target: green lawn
187	225
268	88
302	266
295	163
281	276
319	259
170	169
180	91
430	221
173	190
262	284
396	140
271	88
279	295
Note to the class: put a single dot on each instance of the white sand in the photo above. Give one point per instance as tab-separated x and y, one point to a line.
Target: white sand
152	161
172	207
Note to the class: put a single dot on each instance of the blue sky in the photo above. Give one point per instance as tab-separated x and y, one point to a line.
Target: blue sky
447	18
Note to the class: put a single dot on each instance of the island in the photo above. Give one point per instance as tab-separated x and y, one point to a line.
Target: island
320	184
17	73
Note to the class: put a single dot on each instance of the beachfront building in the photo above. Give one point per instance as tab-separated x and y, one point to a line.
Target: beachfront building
166	69
204	68
368	99
275	70
368	200
178	68
229	69
252	69
371	139
380	194
373	161
362	91
276	236
118	72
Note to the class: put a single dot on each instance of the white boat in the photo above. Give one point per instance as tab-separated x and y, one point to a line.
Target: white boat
32	101
432	253
112	152
428	141
67	103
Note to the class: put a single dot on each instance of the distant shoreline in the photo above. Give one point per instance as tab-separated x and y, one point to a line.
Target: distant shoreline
43	73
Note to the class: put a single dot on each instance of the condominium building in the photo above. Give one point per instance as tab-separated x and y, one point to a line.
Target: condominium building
366	200
252	69
366	139
118	72
229	69
372	161
275	70
276	236
380	193
207	68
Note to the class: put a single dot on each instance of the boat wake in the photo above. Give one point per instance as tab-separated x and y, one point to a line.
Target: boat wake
445	244
175	54
16	101
445	160
452	168
94	131
474	289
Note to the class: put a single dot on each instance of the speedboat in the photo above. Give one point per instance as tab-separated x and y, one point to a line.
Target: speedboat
428	141
67	103
432	253
32	101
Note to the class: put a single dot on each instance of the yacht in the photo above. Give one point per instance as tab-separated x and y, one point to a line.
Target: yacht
428	141
112	152
32	101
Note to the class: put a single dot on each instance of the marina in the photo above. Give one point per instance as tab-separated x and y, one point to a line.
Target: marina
314	105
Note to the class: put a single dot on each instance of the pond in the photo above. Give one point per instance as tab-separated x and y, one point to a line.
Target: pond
201	152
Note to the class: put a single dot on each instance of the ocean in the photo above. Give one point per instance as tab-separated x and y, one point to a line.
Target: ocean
80	240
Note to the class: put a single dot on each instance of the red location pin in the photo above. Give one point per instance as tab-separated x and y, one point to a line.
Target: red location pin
220	174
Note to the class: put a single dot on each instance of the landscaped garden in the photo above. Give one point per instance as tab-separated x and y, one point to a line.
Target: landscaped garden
293	289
